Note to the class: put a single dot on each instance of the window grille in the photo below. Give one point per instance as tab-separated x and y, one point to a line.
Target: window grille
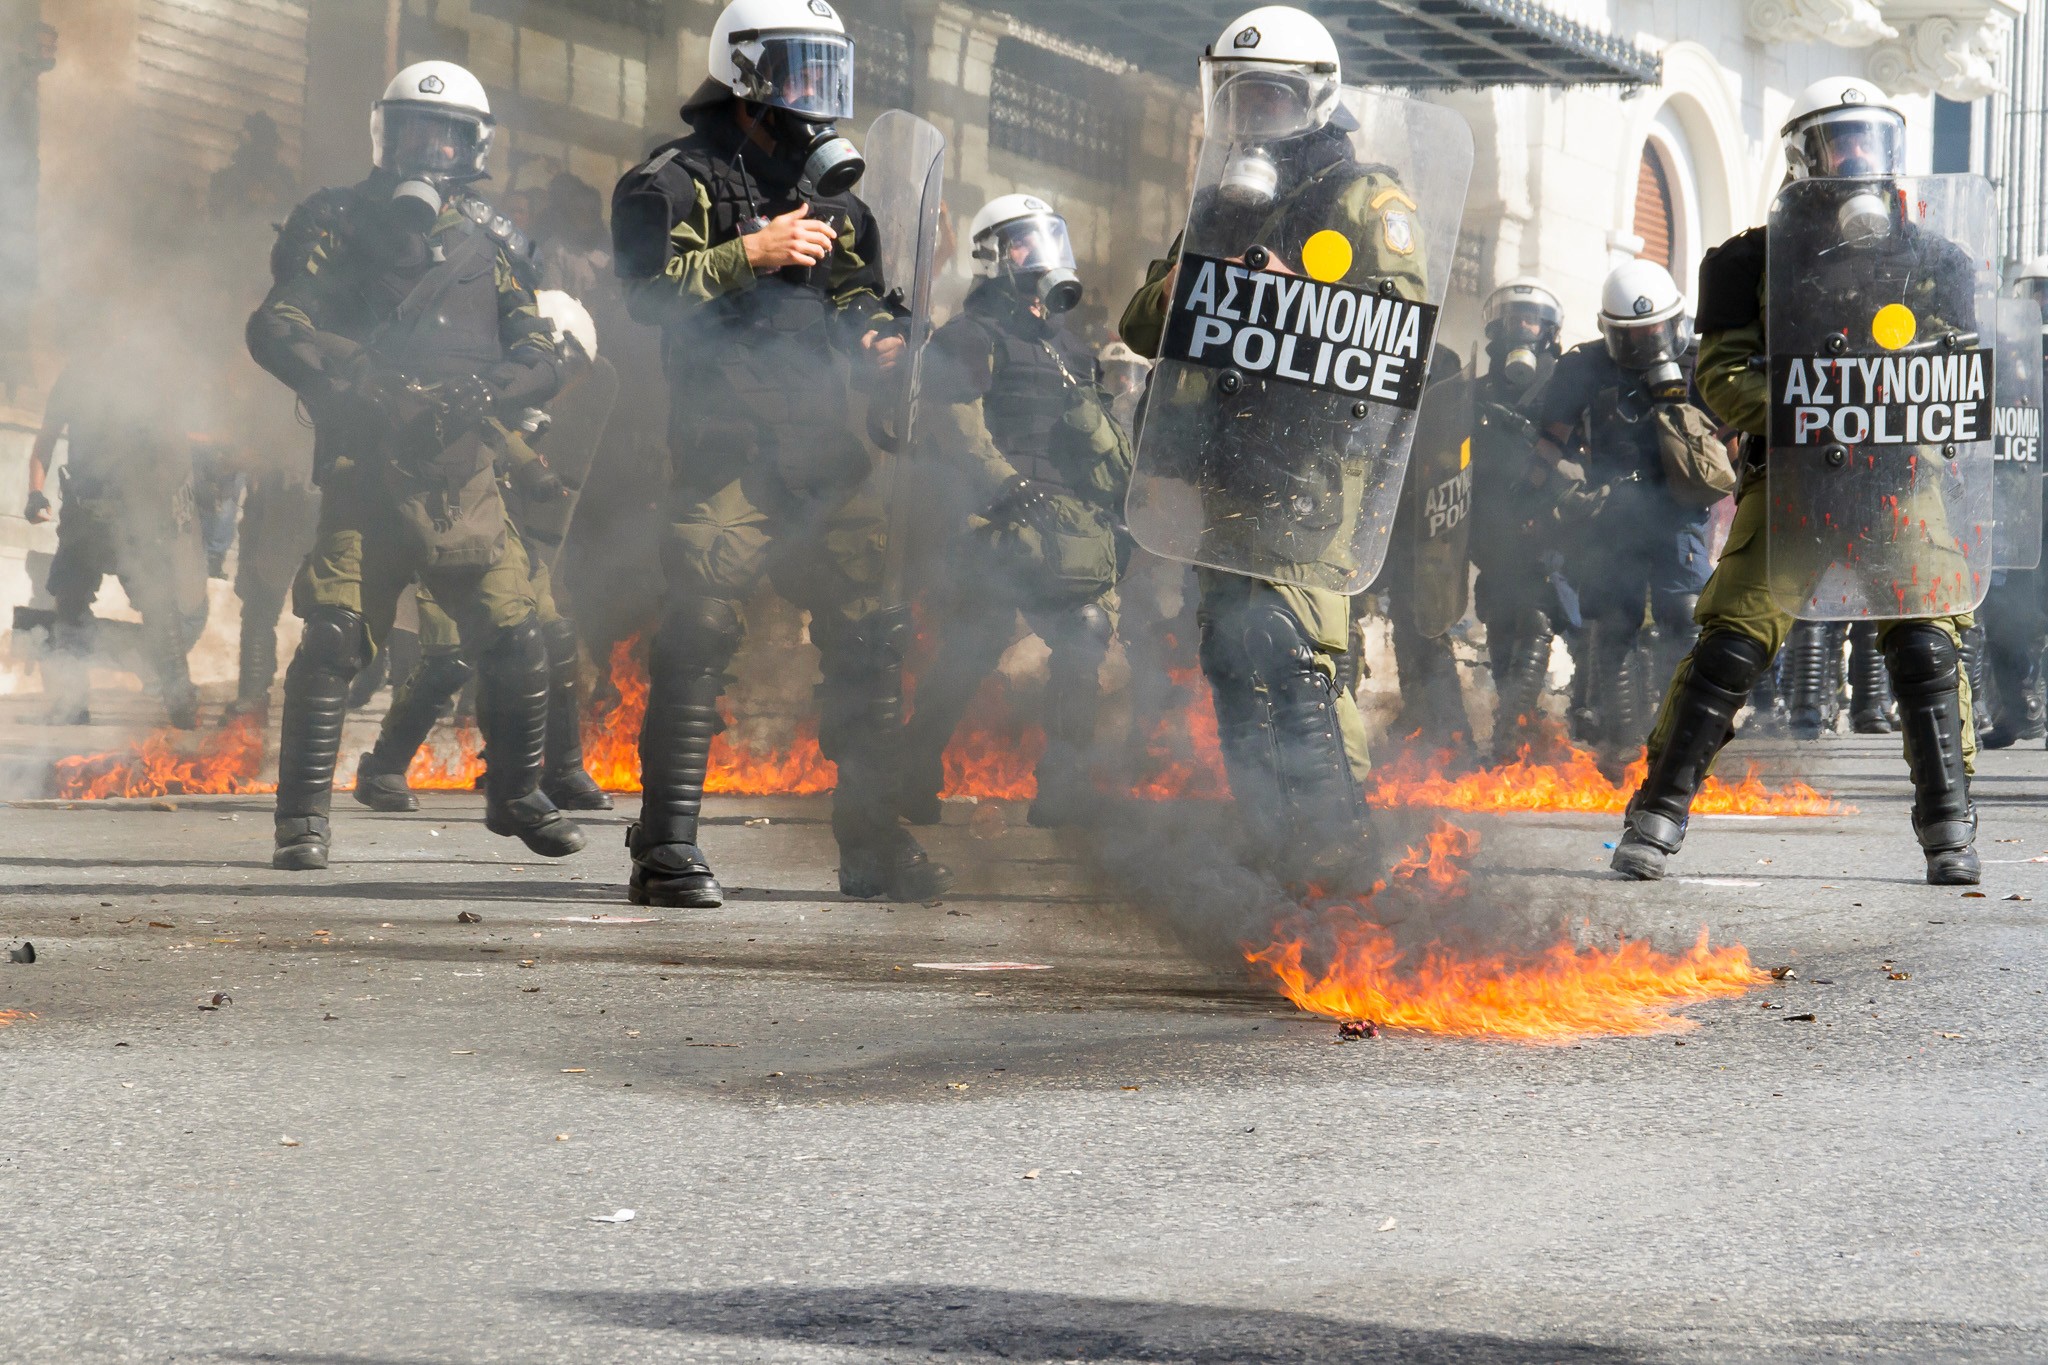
1052	109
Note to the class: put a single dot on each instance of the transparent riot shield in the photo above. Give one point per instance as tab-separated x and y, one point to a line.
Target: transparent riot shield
1297	342
1881	318
2016	458
1440	498
904	186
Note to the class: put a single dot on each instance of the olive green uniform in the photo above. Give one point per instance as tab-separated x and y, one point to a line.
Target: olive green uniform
402	337
1249	625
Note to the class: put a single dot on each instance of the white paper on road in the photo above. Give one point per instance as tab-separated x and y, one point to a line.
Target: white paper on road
984	966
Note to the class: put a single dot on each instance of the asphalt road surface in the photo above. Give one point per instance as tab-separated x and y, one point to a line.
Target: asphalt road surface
392	1140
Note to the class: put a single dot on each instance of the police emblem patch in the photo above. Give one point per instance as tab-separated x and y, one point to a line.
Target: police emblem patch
1852	96
1643	305
1246	37
431	85
821	9
1398	230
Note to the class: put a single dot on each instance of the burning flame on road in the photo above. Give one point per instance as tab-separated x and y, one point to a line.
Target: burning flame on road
12	1016
1573	781
990	759
1561	993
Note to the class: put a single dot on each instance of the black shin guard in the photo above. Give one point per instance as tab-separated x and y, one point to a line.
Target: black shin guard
1521	683
309	741
1073	694
860	728
1975	666
1809	678
1926	676
686	674
512	712
565	781
417	703
256	668
1725	667
1870	685
1293	755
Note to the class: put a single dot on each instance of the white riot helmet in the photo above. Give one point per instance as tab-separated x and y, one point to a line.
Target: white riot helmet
572	320
1272	73
1020	238
2031	282
1642	318
1846	129
1523	319
793	56
433	124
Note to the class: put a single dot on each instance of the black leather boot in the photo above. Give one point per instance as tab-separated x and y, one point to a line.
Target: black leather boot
1724	666
567	784
309	737
686	673
1926	677
860	728
419	700
512	712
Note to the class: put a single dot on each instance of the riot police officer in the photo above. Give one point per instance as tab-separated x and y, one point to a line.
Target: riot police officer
1845	134
2015	611
1286	168
401	320
1012	403
1616	402
1516	592
541	505
744	243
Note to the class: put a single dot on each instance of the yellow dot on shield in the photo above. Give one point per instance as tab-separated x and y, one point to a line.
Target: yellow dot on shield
1894	326
1465	454
1326	256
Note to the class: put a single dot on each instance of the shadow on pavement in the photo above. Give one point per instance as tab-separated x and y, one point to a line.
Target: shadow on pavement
971	1322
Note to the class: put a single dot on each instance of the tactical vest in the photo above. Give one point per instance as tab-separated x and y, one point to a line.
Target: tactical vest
662	192
1033	383
446	323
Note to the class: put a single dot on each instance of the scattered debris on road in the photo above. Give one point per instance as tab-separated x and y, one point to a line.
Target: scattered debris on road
622	1216
25	954
1357	1028
219	998
287	1142
1784	973
468	917
984	966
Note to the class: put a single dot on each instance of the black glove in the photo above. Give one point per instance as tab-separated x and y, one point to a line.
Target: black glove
38	509
461	404
1577	503
537	483
1020	497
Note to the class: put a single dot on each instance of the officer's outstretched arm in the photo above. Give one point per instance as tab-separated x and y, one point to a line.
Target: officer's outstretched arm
1144	319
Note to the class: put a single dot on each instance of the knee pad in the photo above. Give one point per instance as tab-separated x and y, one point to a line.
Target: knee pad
1278	650
335	641
1922	660
700	636
560	635
439	676
1729	663
1084	632
519	649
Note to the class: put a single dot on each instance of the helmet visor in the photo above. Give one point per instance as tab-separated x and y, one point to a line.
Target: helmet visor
1851	143
432	142
2035	288
1259	101
1523	317
1032	246
809	74
1640	345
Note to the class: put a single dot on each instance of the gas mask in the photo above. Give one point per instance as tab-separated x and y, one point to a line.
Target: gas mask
1035	254
1863	219
829	163
1518	366
415	204
1250	179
